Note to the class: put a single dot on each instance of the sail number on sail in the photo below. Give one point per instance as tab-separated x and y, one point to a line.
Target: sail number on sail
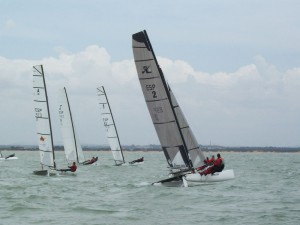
106	125
61	114
38	113
151	87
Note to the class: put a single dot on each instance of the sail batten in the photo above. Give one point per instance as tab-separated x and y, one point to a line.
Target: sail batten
110	127
167	117
38	101
149	78
172	121
43	134
143	60
157	100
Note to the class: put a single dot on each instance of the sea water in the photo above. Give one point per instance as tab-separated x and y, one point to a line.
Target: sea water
266	190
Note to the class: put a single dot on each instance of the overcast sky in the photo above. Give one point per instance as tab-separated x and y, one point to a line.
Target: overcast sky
234	67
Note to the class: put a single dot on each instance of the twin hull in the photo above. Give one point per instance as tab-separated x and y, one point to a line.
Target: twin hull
222	176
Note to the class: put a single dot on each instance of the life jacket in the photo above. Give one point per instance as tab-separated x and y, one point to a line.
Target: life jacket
223	162
73	168
219	162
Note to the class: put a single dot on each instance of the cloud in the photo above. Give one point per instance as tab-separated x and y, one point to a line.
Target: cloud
255	100
9	24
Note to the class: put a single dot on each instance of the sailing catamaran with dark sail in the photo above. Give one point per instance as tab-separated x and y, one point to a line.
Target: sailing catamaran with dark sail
177	140
111	130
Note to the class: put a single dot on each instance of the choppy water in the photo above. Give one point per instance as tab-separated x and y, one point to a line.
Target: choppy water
265	191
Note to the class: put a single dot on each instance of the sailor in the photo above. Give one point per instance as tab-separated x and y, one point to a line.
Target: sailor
218	166
140	159
73	168
92	160
211	160
204	165
137	160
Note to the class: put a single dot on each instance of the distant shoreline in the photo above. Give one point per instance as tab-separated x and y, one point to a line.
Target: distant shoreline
156	148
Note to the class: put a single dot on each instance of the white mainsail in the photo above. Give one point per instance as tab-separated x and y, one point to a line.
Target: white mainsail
42	115
72	146
110	127
176	138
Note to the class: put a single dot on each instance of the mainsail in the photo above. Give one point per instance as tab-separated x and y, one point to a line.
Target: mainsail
42	115
72	146
176	138
110	127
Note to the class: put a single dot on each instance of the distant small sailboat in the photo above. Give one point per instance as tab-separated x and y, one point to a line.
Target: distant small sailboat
72	147
178	142
111	130
8	157
43	124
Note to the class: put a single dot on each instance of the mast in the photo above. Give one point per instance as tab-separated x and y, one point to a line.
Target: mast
103	93
75	142
48	111
169	98
54	163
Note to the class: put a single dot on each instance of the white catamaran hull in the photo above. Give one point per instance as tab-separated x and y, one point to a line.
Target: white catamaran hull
1	158
194	178
45	172
131	164
53	173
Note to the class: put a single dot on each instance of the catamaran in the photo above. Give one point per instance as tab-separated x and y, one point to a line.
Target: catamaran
8	157
177	140
111	130
72	147
43	123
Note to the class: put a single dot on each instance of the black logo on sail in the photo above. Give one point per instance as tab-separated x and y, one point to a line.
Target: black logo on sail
146	69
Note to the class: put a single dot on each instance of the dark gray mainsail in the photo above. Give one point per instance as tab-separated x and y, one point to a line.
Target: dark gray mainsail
176	138
195	153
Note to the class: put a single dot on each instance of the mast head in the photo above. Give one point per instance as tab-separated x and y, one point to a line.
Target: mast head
142	37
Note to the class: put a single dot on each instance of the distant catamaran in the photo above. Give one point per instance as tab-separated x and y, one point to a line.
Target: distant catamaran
8	157
72	147
111	129
43	122
178	142
43	125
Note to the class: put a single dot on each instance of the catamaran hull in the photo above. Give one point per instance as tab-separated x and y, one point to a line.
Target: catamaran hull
195	178
41	172
131	164
10	158
44	173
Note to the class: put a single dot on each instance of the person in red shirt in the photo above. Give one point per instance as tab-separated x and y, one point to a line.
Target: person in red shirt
92	160
218	166
204	165
73	168
211	160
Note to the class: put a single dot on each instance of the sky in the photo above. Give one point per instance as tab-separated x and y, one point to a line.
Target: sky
234	67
